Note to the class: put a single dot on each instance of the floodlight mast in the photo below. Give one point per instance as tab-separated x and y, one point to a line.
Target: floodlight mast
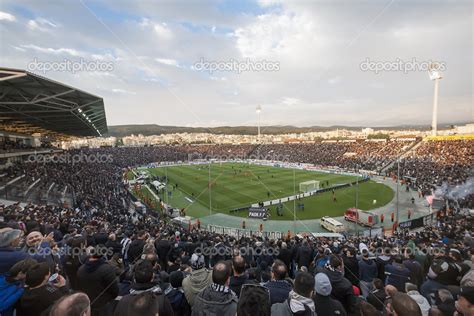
258	110
436	77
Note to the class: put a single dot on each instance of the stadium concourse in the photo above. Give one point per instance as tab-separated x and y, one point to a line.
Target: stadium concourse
83	248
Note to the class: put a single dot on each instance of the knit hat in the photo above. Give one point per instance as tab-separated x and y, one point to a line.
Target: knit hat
176	279
8	235
197	261
322	285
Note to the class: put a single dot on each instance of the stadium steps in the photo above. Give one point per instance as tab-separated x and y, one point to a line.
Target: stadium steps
409	150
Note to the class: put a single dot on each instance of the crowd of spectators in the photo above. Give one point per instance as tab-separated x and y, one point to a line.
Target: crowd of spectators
61	261
435	163
98	257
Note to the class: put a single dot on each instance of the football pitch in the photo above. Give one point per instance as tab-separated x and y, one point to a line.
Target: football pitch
225	187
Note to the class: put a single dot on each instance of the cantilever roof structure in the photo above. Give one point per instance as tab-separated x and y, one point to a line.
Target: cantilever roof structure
30	103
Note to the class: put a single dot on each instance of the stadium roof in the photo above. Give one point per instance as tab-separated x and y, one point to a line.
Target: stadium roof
30	104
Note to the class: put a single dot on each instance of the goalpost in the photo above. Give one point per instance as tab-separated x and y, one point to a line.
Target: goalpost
309	186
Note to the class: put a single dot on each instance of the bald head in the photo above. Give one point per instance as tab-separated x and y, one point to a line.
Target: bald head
77	304
390	290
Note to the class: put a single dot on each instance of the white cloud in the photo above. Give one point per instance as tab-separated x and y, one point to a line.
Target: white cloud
123	91
167	61
163	31
54	51
4	16
41	24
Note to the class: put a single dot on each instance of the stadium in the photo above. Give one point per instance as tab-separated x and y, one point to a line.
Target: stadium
229	208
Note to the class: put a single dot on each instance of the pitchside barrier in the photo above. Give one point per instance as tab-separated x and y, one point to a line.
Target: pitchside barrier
237	232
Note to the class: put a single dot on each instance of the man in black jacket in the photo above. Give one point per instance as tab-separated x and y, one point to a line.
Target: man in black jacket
341	287
239	277
304	256
144	277
98	280
377	296
136	247
40	295
324	304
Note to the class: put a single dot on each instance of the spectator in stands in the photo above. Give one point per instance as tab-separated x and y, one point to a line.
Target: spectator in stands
444	301
367	273
416	271
9	240
144	282
351	266
199	279
40	294
377	296
240	276
299	300
217	298
324	304
304	255
144	304
397	274
412	291
278	286
341	287
136	247
254	301
97	279
76	304
465	302
403	305
12	285
175	294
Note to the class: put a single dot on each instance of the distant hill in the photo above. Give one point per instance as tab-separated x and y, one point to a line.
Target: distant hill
153	129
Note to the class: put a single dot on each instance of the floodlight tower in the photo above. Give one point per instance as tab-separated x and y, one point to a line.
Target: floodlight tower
436	77
258	110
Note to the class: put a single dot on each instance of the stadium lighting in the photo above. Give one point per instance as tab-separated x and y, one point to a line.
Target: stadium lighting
258	110
436	77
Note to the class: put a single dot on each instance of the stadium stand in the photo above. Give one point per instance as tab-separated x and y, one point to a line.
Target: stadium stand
96	246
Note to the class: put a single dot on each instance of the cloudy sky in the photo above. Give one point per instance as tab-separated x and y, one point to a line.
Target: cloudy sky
305	62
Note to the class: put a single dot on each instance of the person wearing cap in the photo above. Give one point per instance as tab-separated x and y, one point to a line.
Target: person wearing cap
9	255
198	279
323	302
465	302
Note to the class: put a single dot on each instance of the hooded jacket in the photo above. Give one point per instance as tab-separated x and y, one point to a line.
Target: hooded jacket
279	290
9	293
164	306
98	280
196	282
421	301
341	289
367	270
211	302
292	307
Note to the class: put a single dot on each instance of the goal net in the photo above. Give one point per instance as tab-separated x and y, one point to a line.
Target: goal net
309	186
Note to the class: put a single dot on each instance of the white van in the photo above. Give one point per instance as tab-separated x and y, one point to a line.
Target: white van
332	225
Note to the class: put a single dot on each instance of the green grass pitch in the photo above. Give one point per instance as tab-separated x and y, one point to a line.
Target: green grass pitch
236	185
